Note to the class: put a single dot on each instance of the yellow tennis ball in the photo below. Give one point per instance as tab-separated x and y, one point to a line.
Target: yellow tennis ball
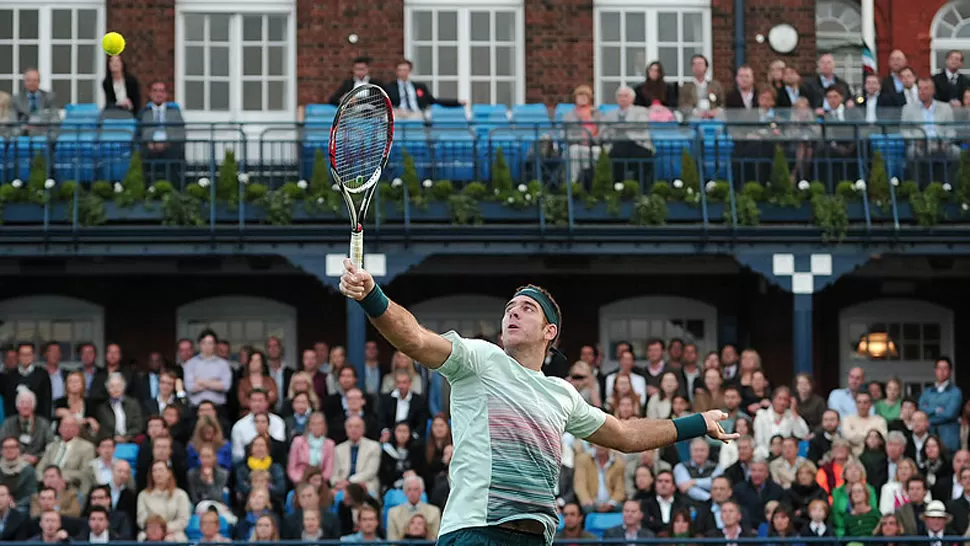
113	43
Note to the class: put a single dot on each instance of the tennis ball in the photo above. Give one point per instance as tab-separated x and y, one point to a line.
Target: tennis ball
113	43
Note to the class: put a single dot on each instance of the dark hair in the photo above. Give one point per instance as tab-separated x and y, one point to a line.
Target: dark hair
259	391
949	363
362	59
97	509
207	332
916	478
837	88
675	340
107	66
407	62
909	400
46	488
703	58
50	344
905	68
730	387
53	467
23	344
656	340
262	359
555	307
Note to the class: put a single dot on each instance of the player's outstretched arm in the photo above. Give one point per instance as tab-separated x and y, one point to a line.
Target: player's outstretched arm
636	435
394	322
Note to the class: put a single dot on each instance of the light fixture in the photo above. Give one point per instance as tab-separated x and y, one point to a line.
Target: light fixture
876	346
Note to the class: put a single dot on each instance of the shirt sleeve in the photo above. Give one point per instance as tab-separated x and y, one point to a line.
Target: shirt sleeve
584	419
466	359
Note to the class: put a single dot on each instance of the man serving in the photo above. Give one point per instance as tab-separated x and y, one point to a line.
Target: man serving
508	417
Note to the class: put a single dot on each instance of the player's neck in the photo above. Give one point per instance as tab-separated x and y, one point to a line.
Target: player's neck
528	357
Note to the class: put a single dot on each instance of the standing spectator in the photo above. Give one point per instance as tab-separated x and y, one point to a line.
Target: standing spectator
742	97
33	431
855	428
793	88
398	517
361	76
690	372
758	490
163	135
598	481
631	528
910	514
843	400
163	498
811	406
695	475
372	369
207	377
784	468
824	80
121	89
780	419
950	82
52	364
27	375
942	405
655	90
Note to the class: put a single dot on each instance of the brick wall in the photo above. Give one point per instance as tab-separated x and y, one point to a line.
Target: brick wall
149	29
906	26
558	48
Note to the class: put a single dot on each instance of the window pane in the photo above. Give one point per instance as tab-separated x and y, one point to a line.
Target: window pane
219	28
480	26
277	60
6	85
610	26
6	24
29	57
86	92
448	89
504	93
252	61
608	91
219	61
611	61
29	24
87	24
448	61
481	93
481	64
194	60
194	98
424	60
62	88
421	21
686	56
504	61
253	28
6	59
61	24
86	55
636	27
667	27
219	95
277	28
447	26
61	59
252	96
194	27
667	56
636	62
505	26
276	95
693	27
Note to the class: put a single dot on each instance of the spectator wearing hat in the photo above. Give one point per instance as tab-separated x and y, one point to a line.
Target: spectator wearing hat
937	522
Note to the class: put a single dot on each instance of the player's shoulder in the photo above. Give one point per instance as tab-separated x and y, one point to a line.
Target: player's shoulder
473	346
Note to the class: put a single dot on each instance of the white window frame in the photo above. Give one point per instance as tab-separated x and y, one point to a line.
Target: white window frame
45	42
891	311
650	9
460	307
946	44
845	47
237	8
225	308
659	308
464	41
50	307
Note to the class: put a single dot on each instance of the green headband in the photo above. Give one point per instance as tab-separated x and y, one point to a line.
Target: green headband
548	309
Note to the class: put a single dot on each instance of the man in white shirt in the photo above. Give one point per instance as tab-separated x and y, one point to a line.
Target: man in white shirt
627	364
843	400
244	430
910	91
781	419
361	76
855	428
411	98
921	432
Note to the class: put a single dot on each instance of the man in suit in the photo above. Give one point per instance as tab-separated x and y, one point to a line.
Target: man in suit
740	470
69	452
821	442
162	134
361	76
794	88
709	514
700	97
357	405
877	104
732	529
118	521
98	530
629	146
840	135
165	395
34	104
403	404
743	96
950	83
107	412
112	364
278	370
30	375
910	514
411	98
823	80
19	477
931	144
15	526
357	460
599	474
753	494
959	507
33	431
937	522
949	488
910	92
123	497
658	508
399	516
66	502
631	528
893	83
308	498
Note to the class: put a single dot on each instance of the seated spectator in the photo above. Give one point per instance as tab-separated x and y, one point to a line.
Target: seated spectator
311	367
403	404
45	501
700	97
732	406
279	451
33	430
890	526
367	525
209	524
862	518
69	452
400	456
781	524
338	361
935	139
853	473
909	513
120	416
163	135
260	460
74	403
631	528
121	89
51	530
119	523
15	524
694	476
98	530
803	491
818	515
582	377
582	124
937	521
756	395
34	104
99	470
208	481
410	98
711	396
357	460
783	468
936	467
894	494
166	395
599	480
312	449
257	506
163	498
66	499
300	412
311	529
780	419
244	430
753	494
658	508
709	513
875	460
17	474
8	115
308	501
573	524
659	405
643	478
399	516
208	409
256	376
208	431
401	361
731	528
735	458
824	435
623	387
629	146
124	497
156	530
655	91
359	405
300	383
161	449
855	428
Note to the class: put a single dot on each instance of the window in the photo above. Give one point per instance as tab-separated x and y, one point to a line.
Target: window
951	30
42	319
629	37
472	53
469	315
242	321
236	64
838	27
637	320
61	41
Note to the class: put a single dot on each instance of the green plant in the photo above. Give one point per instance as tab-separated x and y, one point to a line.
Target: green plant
255	192
134	182
779	190
602	176
320	181
662	189
906	190
555	208
442	190
465	209
501	175
815	187
928	204
690	179
878	186
718	191
650	210
278	204
475	190
963	178
578	191
36	180
754	190
832	215
227	181
293	191
103	189
747	211
196	191
65	192
183	209
90	210
629	190
847	191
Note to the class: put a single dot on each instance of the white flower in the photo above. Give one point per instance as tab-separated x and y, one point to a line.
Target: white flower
803	185
335	187
947	187
397	183
118	187
496	191
523	188
860	184
965	207
243	178
510	200
17	183
618	186
678	183
49	183
710	186
427	183
151	189
528	197
320	200
894	181
204	182
302	185
690	191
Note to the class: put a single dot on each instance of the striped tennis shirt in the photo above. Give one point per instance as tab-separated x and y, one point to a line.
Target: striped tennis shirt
507	426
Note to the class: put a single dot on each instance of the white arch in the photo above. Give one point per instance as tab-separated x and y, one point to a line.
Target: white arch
640	318
65	319
242	320
924	319
838	30
950	30
469	314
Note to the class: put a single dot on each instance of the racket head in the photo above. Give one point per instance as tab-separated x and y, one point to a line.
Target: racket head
361	137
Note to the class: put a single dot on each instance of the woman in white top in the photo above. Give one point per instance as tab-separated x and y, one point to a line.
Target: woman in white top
121	89
659	405
163	498
893	493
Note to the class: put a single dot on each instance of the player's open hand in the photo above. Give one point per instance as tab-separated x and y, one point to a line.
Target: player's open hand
355	283
714	428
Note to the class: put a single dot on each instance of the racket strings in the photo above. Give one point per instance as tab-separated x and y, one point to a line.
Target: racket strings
361	137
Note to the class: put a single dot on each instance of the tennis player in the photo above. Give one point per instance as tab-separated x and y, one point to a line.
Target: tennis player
508	417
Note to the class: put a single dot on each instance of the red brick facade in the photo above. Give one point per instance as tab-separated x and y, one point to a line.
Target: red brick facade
558	41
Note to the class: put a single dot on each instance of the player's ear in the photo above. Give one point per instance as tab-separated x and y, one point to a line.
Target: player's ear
551	332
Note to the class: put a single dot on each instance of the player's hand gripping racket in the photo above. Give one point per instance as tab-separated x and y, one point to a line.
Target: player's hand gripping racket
360	143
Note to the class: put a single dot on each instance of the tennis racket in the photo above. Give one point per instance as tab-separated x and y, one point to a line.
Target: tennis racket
360	143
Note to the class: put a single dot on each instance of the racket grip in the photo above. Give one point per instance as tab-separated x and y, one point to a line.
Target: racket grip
357	248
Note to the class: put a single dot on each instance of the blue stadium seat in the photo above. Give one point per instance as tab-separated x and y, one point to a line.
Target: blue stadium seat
337	499
535	116
82	109
669	141
128	453
411	136
454	153
605	108
562	108
288	505
562	523
893	150
317	119
319	112
75	155
597	523
447	116
21	151
115	147
517	147
803	448
490	113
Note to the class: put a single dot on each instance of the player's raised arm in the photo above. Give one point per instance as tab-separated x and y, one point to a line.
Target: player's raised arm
636	435
394	322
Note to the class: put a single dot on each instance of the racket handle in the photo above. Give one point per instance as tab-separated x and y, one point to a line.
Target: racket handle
357	248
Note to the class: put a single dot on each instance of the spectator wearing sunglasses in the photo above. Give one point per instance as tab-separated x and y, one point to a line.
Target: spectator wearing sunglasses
581	376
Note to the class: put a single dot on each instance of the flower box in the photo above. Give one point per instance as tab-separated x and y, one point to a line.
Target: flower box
778	214
499	212
25	213
134	213
599	213
683	212
435	212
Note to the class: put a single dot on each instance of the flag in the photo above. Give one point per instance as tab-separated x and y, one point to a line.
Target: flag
868	62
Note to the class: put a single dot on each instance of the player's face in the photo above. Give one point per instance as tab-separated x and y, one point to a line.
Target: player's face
524	324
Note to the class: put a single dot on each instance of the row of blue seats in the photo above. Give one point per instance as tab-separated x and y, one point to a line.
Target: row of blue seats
315	114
